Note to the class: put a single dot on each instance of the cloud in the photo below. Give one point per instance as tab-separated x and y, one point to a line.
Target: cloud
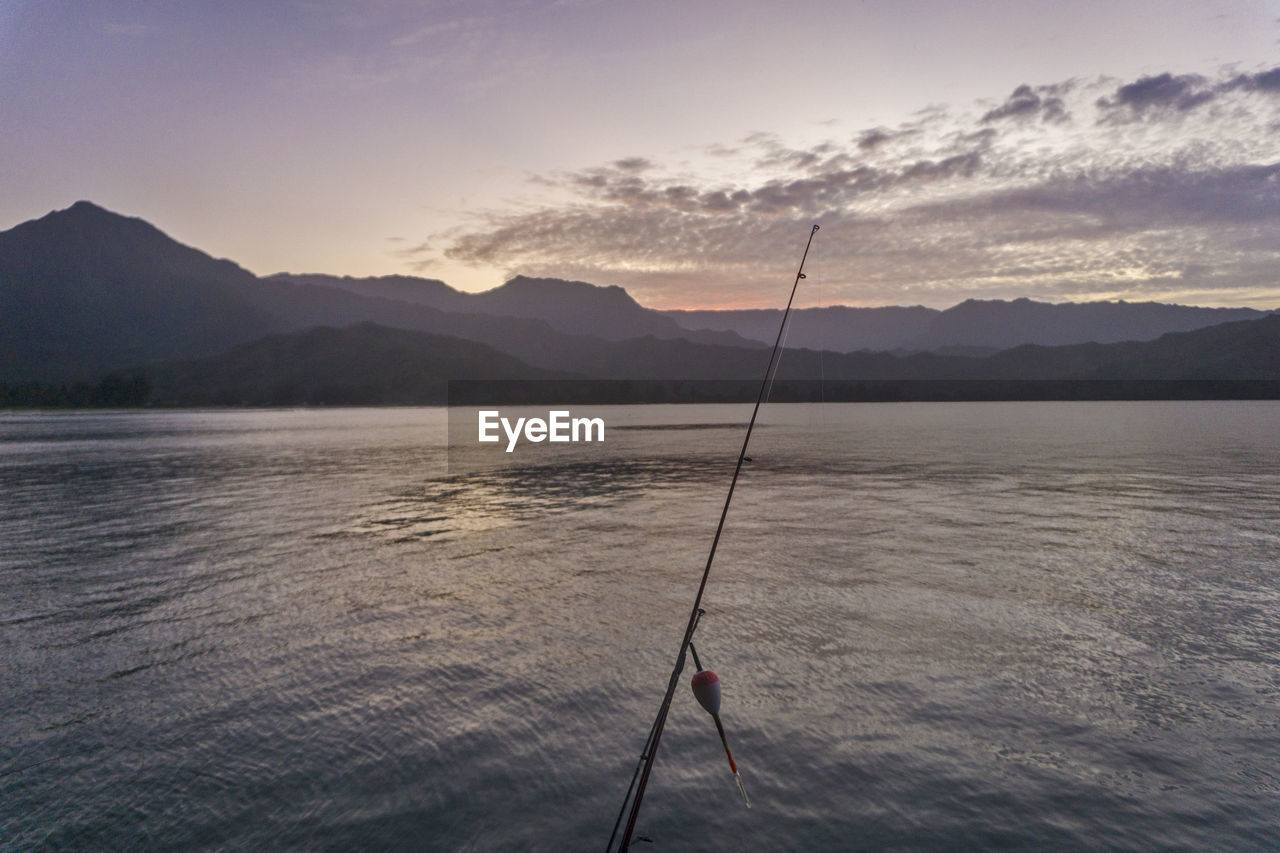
1155	96
877	138
1151	193
1266	81
633	164
1027	103
869	140
481	45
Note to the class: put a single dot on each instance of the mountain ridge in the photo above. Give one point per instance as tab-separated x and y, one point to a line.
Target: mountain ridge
567	306
361	364
991	324
368	364
73	279
84	291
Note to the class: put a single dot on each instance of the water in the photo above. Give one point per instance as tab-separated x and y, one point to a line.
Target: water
938	626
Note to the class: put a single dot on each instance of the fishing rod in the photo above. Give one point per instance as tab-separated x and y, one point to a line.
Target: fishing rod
650	753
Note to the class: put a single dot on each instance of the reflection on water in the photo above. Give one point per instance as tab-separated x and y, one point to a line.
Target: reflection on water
938	625
469	503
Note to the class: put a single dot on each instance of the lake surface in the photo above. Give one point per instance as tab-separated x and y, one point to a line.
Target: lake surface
938	626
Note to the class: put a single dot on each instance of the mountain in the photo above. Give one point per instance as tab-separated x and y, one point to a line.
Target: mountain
83	291
1001	324
400	288
364	364
370	364
839	328
975	326
1243	350
572	307
1247	349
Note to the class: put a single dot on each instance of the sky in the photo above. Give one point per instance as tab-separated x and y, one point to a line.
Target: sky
1061	151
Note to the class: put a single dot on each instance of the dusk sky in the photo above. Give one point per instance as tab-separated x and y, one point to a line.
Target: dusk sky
1054	150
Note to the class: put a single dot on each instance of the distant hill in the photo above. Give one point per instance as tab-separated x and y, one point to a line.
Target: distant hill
1248	349
364	364
974	325
370	364
401	288
839	328
572	307
1000	324
83	291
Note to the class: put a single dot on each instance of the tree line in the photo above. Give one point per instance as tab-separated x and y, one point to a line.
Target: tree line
123	389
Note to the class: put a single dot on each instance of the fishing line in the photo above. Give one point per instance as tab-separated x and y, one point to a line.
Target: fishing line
655	733
822	371
26	767
768	395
